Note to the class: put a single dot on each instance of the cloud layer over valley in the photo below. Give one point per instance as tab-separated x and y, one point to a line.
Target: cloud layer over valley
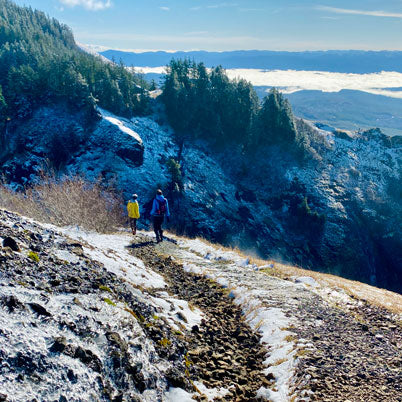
386	83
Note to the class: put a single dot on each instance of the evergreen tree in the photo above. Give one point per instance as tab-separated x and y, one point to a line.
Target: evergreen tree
275	121
199	103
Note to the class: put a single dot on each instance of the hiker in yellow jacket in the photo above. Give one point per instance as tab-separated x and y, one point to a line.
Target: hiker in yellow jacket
133	210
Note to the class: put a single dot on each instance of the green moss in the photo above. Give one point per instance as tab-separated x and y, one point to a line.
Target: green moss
105	288
188	363
165	342
33	256
108	301
138	317
132	313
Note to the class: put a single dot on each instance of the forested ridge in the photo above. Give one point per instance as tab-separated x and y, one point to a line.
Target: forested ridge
207	104
40	63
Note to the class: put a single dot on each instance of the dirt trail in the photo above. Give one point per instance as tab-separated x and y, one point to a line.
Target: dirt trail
223	352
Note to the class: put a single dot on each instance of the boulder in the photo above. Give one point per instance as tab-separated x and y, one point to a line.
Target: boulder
10	242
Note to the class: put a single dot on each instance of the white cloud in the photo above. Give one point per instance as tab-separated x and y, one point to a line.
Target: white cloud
290	81
165	8
293	81
94	5
378	13
220	5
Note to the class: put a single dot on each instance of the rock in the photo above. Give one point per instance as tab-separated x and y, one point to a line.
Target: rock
115	339
10	242
88	358
59	345
38	309
307	280
72	376
364	327
112	134
11	302
176	378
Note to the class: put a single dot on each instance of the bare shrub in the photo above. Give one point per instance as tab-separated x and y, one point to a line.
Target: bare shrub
67	201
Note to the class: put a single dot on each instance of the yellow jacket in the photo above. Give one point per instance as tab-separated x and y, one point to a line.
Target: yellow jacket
133	209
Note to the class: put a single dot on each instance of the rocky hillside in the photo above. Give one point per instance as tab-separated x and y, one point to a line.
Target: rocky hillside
337	211
86	316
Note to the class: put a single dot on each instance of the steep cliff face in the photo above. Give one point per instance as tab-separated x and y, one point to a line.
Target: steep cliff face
338	211
55	137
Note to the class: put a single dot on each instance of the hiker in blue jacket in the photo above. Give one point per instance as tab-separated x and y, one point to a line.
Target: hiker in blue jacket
160	209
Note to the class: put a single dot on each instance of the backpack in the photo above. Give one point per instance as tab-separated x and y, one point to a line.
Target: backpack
162	207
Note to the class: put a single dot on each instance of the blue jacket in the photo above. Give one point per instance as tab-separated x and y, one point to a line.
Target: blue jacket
155	206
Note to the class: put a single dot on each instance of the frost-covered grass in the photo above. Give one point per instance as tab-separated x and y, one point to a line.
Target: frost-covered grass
67	201
335	286
330	285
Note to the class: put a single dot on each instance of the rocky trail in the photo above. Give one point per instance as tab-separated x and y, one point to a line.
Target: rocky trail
223	352
342	348
91	317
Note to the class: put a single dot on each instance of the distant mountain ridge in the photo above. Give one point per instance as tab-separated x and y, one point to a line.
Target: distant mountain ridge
342	61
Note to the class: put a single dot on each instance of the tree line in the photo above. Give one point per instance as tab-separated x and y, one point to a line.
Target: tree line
40	63
202	103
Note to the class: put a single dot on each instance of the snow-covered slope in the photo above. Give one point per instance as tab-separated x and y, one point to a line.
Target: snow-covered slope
87	317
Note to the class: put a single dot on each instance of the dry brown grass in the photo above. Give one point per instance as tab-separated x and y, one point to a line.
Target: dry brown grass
67	201
375	296
378	297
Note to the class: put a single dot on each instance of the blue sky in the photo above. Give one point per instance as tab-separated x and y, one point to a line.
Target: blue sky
216	25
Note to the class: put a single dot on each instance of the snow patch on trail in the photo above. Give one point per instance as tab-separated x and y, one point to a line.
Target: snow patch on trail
178	395
211	393
113	252
252	291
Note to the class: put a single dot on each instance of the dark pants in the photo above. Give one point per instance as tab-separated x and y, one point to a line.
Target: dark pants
133	225
158	221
